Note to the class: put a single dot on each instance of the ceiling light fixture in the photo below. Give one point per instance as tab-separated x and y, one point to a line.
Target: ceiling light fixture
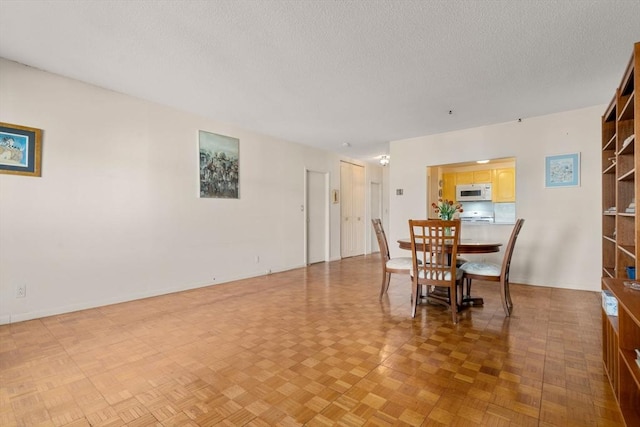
482	162
384	160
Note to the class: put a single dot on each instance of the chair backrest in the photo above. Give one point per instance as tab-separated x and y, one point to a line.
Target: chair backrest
382	239
434	244
506	262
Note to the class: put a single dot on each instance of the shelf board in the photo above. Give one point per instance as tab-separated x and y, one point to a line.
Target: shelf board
627	110
609	238
610	144
629	148
628	175
627	214
610	169
629	250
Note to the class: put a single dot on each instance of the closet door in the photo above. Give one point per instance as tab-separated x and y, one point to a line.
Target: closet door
352	210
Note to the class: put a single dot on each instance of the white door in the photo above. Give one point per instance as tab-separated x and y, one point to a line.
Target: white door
317	206
352	210
376	212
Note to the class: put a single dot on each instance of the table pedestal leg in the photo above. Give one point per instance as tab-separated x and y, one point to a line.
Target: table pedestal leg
468	300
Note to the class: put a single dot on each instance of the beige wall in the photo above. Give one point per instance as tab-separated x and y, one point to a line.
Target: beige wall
559	245
116	214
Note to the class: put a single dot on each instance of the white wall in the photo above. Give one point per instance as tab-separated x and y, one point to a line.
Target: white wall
116	214
560	243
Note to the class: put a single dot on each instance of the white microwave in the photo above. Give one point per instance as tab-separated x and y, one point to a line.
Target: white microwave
473	192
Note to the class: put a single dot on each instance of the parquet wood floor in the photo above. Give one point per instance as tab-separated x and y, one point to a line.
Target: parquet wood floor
311	347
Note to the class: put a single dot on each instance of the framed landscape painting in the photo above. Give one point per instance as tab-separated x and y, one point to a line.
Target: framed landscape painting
219	168
562	170
20	150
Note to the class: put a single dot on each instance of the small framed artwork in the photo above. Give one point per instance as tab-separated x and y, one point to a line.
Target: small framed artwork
219	165
20	150
562	170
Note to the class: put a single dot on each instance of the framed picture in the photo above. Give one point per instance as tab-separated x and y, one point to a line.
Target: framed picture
219	168
20	150
562	170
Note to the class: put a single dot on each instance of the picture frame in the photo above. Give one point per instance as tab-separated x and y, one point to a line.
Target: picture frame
20	150
219	166
562	170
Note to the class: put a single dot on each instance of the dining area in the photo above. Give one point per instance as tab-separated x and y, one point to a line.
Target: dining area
441	266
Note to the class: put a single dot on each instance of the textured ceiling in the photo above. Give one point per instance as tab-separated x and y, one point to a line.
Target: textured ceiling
326	73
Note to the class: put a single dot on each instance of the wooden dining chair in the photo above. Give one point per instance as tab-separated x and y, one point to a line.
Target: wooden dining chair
494	272
434	243
400	265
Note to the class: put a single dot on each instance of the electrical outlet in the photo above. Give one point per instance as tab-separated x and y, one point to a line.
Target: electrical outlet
21	291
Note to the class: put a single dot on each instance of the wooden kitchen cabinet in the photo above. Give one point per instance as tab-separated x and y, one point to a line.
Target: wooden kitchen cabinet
482	177
473	177
449	186
504	185
464	177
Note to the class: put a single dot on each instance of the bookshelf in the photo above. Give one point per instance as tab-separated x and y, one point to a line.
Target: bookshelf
620	234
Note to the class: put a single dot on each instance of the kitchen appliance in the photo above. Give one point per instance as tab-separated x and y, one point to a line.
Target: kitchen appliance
477	216
473	192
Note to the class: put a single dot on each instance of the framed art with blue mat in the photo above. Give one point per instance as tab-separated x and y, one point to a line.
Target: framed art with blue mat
20	150
562	170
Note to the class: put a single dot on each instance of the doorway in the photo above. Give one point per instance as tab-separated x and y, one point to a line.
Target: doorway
352	210
316	218
376	212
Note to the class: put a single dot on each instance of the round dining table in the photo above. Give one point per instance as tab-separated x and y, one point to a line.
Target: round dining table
465	246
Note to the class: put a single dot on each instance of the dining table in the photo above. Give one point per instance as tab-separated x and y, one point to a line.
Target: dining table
465	246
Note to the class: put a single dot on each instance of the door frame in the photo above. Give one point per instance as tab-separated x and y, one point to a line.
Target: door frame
305	208
363	205
380	209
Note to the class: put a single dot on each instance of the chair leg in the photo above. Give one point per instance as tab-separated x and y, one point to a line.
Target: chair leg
453	300
386	278
508	296
414	296
505	297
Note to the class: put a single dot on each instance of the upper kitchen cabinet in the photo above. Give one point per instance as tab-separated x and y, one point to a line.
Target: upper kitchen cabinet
449	182
482	176
504	185
474	177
